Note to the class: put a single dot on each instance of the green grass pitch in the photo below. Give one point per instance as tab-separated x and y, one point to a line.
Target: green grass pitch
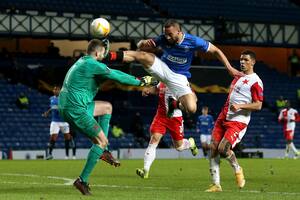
169	179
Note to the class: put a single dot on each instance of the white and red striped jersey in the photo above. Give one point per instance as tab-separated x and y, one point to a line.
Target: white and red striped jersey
164	93
243	90
288	116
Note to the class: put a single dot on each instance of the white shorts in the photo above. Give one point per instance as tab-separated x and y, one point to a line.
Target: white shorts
205	138
55	127
177	83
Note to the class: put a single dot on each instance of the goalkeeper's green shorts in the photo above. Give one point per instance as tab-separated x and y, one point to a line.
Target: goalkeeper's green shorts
82	120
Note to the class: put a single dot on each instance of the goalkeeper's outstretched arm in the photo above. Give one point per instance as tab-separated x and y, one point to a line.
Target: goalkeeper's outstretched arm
122	78
127	79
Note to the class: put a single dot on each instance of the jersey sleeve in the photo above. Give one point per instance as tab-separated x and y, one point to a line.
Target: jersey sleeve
257	92
122	77
201	44
280	116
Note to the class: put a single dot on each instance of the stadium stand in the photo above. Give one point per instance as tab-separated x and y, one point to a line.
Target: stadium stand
27	129
279	11
131	8
250	10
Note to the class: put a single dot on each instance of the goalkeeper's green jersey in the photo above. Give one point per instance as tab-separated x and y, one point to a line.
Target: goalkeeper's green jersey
84	79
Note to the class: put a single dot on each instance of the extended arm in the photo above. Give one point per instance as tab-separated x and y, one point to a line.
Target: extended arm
127	79
146	45
221	57
122	77
45	114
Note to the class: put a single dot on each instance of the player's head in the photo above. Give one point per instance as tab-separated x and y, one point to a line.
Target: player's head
56	90
172	31
204	110
96	48
247	61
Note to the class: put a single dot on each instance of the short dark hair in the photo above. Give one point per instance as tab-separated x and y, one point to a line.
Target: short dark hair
93	45
250	53
172	22
205	107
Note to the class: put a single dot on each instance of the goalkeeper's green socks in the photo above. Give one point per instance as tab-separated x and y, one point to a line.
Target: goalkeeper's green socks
92	159
103	121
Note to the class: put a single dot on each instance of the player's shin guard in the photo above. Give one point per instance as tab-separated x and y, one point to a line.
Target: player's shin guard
215	169
150	155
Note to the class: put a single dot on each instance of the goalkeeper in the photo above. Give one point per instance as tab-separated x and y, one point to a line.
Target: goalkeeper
77	107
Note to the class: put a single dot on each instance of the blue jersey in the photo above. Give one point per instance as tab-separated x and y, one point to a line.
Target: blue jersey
55	117
179	56
205	124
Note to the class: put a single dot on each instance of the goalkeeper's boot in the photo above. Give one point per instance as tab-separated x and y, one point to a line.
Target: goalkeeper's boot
214	188
142	173
193	147
240	179
108	157
83	187
171	106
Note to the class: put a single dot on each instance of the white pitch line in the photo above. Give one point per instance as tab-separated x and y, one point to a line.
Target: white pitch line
69	182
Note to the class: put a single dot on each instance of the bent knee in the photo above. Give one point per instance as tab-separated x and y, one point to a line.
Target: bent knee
192	108
108	107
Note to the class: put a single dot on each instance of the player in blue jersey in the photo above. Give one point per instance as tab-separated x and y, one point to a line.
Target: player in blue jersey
173	67
57	124
205	124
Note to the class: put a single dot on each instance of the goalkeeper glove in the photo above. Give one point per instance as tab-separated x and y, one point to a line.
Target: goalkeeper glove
148	81
106	46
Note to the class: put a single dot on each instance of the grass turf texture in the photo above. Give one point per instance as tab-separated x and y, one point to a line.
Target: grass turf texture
169	179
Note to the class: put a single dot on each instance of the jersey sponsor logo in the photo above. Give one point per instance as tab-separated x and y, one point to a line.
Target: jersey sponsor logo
177	59
237	89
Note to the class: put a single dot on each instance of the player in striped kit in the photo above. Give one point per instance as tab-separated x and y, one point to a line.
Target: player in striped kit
288	117
160	124
245	95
